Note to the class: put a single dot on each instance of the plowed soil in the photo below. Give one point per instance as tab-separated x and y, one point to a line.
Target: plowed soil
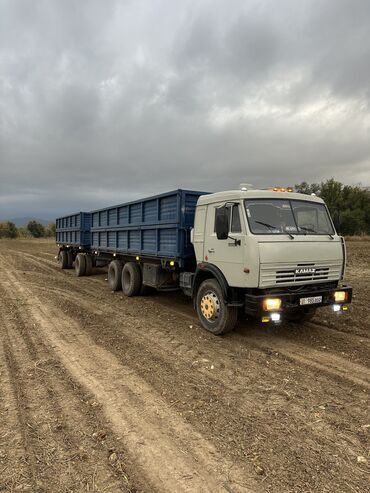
103	393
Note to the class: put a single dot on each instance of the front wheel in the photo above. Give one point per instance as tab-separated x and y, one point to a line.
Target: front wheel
214	314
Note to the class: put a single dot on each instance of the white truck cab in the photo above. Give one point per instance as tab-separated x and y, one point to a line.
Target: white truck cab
273	253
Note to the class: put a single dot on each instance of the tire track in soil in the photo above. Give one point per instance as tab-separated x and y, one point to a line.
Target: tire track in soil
228	381
182	350
334	365
14	470
194	466
318	362
57	439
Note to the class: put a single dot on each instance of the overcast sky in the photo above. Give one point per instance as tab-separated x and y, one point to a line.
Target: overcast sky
105	101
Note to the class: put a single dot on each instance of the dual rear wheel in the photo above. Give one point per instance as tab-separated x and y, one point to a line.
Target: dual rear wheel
65	259
126	277
83	265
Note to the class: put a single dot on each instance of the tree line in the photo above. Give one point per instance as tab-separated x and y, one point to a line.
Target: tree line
33	229
349	205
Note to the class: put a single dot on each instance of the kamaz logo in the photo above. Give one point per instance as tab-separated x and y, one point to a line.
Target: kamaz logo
308	270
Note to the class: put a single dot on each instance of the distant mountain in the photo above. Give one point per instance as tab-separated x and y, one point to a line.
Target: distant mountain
23	221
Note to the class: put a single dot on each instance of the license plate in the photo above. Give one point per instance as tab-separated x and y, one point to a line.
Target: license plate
312	300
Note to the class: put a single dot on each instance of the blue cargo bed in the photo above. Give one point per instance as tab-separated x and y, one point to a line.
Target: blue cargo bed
156	226
74	230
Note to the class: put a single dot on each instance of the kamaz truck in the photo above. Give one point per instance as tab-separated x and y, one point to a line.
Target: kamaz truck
269	254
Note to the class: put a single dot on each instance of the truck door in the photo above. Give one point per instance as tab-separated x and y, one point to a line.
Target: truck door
227	255
198	232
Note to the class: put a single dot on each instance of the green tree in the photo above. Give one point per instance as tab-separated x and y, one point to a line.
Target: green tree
349	205
8	230
306	188
50	230
36	229
12	228
23	232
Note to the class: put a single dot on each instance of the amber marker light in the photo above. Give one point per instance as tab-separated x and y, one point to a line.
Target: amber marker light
271	304
340	296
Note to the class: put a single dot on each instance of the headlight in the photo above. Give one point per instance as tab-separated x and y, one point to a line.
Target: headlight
340	296
271	304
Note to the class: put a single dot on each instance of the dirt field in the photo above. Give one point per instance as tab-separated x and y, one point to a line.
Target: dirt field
107	394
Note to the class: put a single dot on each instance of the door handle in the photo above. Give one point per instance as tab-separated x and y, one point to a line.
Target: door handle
211	250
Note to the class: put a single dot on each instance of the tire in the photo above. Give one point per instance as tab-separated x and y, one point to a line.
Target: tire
213	312
89	265
300	315
70	259
131	279
80	265
63	259
115	275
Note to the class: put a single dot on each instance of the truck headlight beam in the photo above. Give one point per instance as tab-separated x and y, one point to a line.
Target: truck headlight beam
271	304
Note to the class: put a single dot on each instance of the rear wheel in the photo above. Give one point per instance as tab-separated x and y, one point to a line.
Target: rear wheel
70	259
63	259
89	265
131	279
114	275
214	314
80	265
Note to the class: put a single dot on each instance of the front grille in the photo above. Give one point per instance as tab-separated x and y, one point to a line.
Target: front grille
284	274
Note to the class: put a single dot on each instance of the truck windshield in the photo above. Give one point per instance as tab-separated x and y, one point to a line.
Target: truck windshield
276	216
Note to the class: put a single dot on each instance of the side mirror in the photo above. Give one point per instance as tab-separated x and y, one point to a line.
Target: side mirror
222	223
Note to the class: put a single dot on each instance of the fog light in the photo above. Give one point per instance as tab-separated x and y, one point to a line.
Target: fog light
271	304
275	317
340	296
336	308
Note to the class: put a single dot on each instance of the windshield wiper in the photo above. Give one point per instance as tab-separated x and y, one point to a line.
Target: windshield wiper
311	230
274	227
266	224
316	232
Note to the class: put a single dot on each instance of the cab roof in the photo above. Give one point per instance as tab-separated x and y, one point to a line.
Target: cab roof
237	195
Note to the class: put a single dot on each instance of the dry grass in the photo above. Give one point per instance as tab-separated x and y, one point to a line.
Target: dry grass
358	238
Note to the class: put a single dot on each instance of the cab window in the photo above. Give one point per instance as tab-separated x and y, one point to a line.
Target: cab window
234	218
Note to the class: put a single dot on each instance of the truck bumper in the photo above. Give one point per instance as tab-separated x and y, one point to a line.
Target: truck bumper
305	300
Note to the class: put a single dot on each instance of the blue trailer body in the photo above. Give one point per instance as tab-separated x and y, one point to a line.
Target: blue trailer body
157	226
74	230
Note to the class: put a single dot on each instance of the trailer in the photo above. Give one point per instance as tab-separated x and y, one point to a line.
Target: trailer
270	254
72	233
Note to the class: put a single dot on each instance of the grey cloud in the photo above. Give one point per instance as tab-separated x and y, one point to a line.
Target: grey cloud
102	102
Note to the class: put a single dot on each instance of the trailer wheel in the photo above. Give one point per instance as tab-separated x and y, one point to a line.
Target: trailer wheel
131	279
80	265
89	265
63	259
213	312
115	275
70	259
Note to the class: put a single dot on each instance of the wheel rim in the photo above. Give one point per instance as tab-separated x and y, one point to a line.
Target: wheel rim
210	306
